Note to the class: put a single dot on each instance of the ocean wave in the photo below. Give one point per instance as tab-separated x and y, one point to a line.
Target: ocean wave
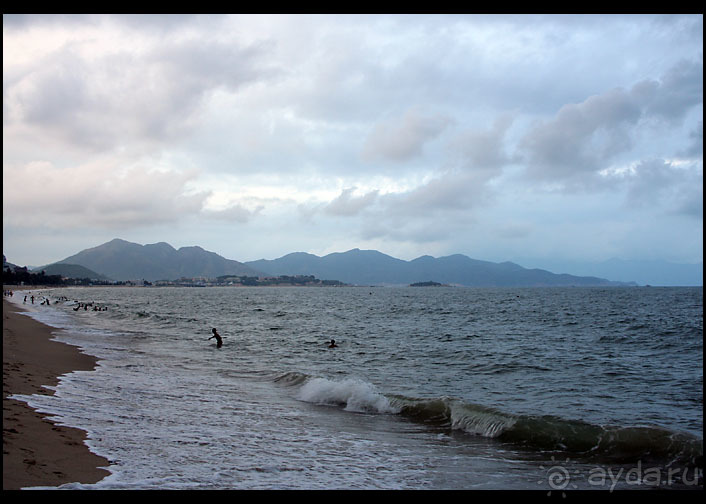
455	414
550	433
611	443
351	394
544	433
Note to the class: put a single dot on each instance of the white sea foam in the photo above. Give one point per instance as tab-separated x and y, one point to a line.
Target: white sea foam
355	395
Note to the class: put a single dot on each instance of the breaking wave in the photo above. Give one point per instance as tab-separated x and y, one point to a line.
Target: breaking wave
350	394
544	433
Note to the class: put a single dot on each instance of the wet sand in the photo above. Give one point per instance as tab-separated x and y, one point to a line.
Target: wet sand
36	451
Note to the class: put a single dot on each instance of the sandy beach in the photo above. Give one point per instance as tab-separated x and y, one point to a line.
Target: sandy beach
36	451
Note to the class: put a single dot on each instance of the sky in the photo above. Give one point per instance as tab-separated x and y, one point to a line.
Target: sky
501	137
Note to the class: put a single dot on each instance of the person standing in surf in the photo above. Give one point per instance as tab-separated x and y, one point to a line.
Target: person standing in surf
219	341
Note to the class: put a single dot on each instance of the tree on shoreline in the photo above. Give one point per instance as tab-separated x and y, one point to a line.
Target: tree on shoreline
21	275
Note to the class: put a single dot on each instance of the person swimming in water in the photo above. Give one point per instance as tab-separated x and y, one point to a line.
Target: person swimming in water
333	344
219	341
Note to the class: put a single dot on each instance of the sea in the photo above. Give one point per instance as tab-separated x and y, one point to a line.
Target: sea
428	388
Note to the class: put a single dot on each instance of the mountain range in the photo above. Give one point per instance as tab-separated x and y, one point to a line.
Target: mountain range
122	260
370	267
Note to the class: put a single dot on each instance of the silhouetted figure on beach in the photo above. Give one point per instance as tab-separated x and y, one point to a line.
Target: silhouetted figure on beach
219	341
333	344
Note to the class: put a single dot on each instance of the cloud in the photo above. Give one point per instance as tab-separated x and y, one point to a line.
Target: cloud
348	205
696	142
448	192
431	210
96	194
579	140
422	232
475	158
235	213
429	213
481	149
402	138
582	139
127	95
679	89
658	183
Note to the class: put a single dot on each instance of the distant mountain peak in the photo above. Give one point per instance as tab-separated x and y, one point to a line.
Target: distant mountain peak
123	260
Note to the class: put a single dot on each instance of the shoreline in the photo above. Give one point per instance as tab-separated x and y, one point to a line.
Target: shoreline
37	451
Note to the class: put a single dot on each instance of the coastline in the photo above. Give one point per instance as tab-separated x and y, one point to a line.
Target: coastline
36	451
